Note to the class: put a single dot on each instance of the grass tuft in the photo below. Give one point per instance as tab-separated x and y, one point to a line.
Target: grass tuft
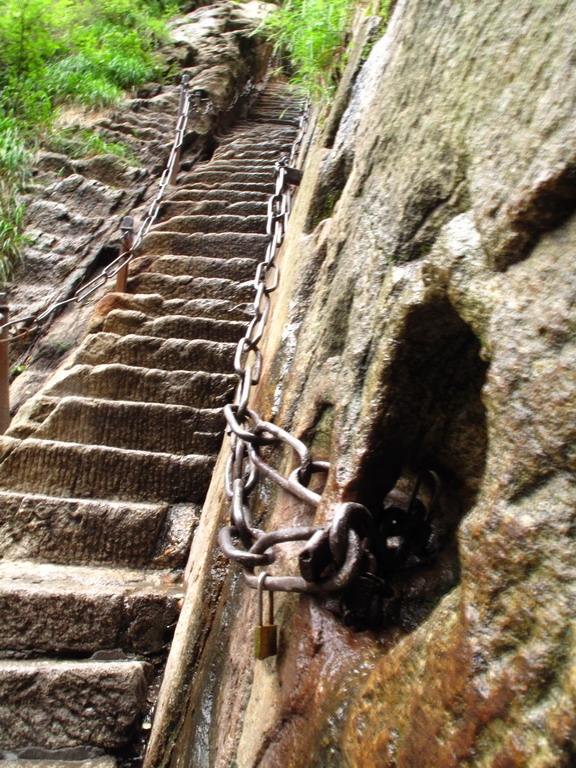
62	52
314	33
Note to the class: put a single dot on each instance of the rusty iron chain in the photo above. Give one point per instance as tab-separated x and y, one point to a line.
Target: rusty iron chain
347	550
196	99
242	541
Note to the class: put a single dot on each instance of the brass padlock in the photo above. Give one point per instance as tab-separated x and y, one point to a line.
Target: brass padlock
265	635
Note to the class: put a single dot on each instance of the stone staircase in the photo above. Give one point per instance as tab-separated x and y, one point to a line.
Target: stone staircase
103	473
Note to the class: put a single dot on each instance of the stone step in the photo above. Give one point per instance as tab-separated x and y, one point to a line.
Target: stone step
176	429
249	131
155	305
187	287
220	195
246	128
219	245
58	609
280	145
246	154
100	472
124	382
252	188
259	148
211	177
212	207
70	531
275	101
167	354
173	326
238	270
63	704
222	223
233	165
272	118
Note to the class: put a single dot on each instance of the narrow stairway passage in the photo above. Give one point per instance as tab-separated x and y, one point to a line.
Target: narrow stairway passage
103	473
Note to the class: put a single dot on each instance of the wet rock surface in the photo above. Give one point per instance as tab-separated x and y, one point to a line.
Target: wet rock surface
425	320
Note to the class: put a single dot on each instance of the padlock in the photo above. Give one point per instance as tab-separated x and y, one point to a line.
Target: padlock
265	635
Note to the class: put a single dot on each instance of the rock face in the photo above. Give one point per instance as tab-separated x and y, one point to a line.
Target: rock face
425	321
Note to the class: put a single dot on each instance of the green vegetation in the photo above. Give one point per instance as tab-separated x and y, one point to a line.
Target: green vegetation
13	171
314	33
61	52
83	142
54	52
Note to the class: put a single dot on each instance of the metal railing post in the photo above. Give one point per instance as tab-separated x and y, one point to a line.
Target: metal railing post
183	98
4	368
126	242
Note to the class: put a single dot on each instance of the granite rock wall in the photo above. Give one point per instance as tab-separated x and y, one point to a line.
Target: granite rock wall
425	321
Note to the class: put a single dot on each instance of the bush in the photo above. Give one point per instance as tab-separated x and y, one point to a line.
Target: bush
78	143
314	34
55	52
84	51
12	238
13	155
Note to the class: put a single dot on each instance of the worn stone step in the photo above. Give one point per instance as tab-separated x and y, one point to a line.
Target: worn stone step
234	165
220	195
177	429
206	186
221	223
246	128
90	471
83	609
214	177
221	245
247	154
276	106
168	354
249	131
235	186
275	115
187	287
246	132
60	704
274	119
124	382
239	270
155	305
70	531
173	326
212	207
246	148
277	102
79	531
209	175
